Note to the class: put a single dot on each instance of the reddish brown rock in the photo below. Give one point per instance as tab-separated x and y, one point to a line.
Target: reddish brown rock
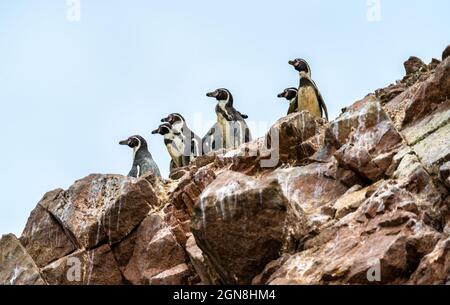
103	207
156	250
178	275
414	65
239	224
201	263
94	267
286	139
43	237
434	269
445	174
16	265
369	141
432	92
189	188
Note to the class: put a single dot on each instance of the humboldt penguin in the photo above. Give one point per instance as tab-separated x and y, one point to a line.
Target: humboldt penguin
192	142
210	142
174	144
231	123
142	158
291	95
308	95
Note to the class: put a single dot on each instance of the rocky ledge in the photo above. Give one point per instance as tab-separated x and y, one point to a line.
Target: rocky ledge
362	199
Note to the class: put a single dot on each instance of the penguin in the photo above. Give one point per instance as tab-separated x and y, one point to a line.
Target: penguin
142	159
231	123
210	142
174	144
308	95
192	142
291	95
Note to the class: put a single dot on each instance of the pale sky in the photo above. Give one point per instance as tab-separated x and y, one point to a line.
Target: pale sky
69	91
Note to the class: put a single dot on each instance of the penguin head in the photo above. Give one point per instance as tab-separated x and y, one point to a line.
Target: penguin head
221	94
134	142
289	93
300	65
163	129
173	119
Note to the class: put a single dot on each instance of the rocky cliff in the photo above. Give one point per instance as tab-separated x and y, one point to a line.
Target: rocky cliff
362	199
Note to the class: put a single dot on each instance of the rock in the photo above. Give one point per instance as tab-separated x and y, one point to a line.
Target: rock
396	107
83	267
354	251
434	150
308	190
434	269
123	251
351	201
428	125
431	94
177	275
286	138
16	265
239	224
200	263
43	237
156	250
189	188
369	146
414	65
445	174
103	207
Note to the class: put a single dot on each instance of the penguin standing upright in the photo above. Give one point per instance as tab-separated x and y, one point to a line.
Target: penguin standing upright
308	95
231	123
142	159
210	142
291	95
192	142
174	144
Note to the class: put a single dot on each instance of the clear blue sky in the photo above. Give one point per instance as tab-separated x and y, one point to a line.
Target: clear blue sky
69	91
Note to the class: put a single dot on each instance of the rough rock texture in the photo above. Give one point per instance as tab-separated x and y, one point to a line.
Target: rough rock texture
17	266
363	199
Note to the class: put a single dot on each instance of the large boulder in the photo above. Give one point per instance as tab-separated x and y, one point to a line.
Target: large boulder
84	267
103	208
434	267
43	237
157	256
238	223
366	140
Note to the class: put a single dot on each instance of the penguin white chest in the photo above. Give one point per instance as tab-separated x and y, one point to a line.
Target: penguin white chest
308	101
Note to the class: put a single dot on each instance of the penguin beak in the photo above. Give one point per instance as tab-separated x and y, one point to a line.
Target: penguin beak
281	95
155	131
211	94
124	142
292	62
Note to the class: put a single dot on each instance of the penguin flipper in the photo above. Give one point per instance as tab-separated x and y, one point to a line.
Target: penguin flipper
323	106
